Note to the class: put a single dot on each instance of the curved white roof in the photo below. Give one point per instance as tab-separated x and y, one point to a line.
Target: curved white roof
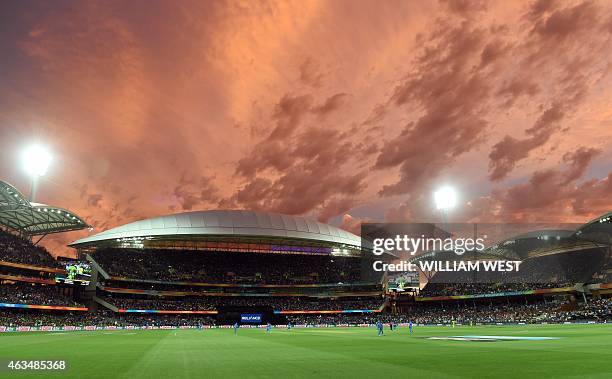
228	223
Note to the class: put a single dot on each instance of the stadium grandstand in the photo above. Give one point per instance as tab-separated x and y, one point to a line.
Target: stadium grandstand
228	264
217	267
565	276
31	285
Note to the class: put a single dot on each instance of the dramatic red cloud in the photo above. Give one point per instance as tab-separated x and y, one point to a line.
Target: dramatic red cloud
339	110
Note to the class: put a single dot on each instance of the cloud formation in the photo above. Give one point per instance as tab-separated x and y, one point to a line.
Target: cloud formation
310	107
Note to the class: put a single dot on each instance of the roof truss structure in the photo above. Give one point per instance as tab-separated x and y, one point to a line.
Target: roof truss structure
32	219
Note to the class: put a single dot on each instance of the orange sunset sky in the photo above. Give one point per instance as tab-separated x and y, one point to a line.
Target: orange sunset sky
340	110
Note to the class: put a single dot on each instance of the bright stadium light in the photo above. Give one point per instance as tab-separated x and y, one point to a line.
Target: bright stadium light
36	160
445	198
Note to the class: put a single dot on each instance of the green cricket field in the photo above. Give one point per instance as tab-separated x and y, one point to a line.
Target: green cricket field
570	351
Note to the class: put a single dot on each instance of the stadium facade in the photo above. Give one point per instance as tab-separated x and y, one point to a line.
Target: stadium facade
219	267
237	262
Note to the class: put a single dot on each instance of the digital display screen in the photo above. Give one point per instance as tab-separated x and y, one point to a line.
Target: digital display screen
250	318
402	281
77	272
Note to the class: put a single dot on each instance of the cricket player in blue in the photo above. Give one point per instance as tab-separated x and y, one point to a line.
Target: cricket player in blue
379	327
268	328
410	327
236	326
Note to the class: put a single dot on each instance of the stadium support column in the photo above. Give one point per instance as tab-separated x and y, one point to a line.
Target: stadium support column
90	291
33	188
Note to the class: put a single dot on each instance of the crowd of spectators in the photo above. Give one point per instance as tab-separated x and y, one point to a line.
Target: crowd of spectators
454	289
599	310
346	319
19	250
180	304
221	267
554	312
26	293
10	318
488	313
20	272
551	271
276	303
244	288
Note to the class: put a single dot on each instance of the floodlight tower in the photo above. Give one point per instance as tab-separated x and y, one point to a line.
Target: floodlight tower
445	199
36	161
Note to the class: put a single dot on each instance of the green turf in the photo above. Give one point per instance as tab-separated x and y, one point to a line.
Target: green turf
581	351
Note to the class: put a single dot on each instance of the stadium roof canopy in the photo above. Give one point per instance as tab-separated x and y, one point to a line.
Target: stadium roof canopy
237	226
594	234
31	219
598	230
544	234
